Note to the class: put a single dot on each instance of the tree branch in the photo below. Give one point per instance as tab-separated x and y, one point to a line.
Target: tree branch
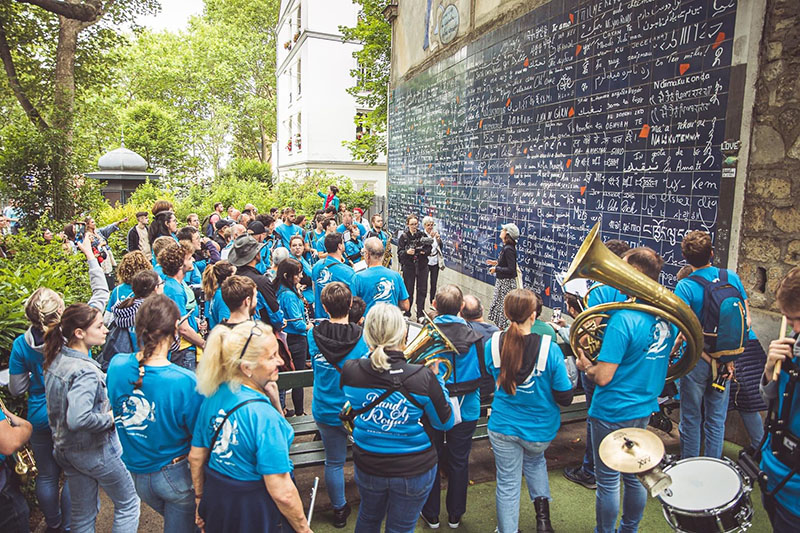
86	12
16	87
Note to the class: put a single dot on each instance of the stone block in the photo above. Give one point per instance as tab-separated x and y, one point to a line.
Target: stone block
768	146
754	219
774	50
792	253
794	151
774	276
787	220
762	249
773	70
770	187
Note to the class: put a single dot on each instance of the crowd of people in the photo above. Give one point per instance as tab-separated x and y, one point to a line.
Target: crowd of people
179	405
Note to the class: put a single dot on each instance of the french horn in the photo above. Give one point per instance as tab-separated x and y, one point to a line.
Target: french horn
428	345
596	262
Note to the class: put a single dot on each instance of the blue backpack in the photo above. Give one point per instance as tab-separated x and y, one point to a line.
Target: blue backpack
723	317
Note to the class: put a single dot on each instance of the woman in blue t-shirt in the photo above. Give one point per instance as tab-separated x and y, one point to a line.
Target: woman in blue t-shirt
531	380
216	310
155	406
294	311
296	248
240	449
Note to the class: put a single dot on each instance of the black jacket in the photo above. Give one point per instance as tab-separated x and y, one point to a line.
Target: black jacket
336	341
264	287
507	263
133	239
408	241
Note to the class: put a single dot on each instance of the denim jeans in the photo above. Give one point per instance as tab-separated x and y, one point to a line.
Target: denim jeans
87	471
700	404
754	425
56	510
588	454
334	440
169	491
186	358
14	511
399	499
782	520
607	497
454	461
513	457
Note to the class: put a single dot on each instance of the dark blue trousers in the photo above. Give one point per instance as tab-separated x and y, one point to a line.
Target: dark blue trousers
453	447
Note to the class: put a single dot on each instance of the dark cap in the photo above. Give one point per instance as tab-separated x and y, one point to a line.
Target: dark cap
245	249
256	228
221	223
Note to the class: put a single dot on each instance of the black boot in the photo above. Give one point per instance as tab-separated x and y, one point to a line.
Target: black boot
340	516
542	506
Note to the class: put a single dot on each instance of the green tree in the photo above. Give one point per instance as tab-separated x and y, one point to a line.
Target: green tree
50	49
370	91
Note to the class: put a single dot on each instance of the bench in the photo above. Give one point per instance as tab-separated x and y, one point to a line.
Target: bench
311	452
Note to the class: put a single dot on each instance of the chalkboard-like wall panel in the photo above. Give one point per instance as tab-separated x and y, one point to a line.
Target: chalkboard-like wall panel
580	111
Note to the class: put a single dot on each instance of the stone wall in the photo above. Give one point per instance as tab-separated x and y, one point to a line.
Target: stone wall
770	228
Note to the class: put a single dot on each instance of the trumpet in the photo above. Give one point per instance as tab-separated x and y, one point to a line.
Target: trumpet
596	262
25	463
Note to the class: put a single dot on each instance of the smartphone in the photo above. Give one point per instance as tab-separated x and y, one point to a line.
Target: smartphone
80	232
556	315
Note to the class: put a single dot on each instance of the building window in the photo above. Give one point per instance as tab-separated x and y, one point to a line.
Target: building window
361	129
364	75
299	71
289	136
298	136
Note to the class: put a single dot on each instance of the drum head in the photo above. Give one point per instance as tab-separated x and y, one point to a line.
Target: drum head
701	483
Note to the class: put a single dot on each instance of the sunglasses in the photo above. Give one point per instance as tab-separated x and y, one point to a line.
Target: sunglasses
254	331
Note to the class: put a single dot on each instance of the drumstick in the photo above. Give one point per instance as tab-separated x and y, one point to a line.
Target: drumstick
782	334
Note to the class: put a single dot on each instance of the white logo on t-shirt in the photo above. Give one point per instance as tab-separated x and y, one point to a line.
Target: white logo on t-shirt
384	290
228	436
661	334
136	411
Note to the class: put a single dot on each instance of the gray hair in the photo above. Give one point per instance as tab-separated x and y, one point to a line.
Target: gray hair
428	220
279	254
384	328
374	247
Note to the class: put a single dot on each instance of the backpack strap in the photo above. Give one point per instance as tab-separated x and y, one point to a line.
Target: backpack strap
225	418
544	351
496	349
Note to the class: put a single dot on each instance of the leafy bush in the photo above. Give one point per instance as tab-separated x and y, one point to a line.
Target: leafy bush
300	192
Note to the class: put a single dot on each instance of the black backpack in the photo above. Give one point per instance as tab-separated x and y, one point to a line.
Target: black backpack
118	340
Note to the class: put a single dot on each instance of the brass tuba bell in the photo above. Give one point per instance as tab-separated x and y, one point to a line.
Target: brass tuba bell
25	464
429	343
596	262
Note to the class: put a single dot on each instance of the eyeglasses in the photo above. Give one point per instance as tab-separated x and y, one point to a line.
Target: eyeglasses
254	331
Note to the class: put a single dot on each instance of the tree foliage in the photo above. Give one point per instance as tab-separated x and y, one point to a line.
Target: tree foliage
375	33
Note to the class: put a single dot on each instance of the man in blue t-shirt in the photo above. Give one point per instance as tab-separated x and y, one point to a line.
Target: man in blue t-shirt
332	268
288	229
783	507
695	387
377	283
629	375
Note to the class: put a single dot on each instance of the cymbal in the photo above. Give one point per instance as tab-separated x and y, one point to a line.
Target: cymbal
631	450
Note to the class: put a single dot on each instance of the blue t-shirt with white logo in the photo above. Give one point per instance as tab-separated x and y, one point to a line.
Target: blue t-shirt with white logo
605	294
254	440
640	344
379	284
691	292
328	398
119	293
294	311
531	413
154	422
25	360
327	271
286	232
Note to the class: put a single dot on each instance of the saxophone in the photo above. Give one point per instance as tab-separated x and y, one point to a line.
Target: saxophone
387	252
25	463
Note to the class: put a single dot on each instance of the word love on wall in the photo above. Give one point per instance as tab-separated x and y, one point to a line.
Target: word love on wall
577	112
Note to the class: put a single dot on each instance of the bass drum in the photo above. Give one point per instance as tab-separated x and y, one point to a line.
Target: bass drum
707	496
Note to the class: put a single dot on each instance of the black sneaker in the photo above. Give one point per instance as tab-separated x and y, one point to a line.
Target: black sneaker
577	475
453	521
432	523
340	516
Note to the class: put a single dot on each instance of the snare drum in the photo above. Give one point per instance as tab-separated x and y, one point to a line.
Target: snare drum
707	495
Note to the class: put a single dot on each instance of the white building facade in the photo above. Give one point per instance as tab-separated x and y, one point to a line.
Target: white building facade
315	114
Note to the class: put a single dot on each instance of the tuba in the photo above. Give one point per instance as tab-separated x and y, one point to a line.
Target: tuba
25	466
428	345
596	262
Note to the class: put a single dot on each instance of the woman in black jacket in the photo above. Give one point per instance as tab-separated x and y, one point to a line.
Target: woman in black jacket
505	270
413	249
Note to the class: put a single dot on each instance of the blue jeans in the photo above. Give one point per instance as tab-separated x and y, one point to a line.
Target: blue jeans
186	358
14	511
607	498
782	520
56	510
169	491
588	455
399	499
514	456
87	471
334	440
454	460
754	425
702	404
